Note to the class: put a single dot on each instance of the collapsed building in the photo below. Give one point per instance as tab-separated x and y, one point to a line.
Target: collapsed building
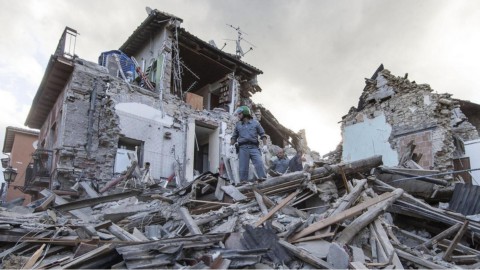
330	216
411	126
172	108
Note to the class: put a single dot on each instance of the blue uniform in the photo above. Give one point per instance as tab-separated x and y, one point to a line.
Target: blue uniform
280	165
246	134
296	163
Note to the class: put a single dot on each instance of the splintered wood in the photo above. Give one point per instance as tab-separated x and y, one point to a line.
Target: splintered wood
350	220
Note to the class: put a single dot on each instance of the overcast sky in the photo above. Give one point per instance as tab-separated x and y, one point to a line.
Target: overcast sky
314	54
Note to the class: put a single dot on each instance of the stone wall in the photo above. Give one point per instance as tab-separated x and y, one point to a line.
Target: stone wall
92	129
415	113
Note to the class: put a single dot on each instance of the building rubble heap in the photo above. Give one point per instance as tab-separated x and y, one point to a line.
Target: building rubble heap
331	216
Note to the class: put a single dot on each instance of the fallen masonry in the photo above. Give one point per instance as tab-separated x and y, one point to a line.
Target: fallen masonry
331	216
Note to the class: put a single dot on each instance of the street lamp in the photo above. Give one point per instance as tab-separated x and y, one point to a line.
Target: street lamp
9	174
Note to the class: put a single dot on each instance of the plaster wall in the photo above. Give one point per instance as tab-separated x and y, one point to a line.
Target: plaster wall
472	150
144	123
23	147
368	138
412	111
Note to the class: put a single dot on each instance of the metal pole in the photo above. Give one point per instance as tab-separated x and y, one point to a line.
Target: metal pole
436	174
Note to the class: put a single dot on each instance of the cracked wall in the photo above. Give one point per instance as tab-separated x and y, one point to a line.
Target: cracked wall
413	112
98	110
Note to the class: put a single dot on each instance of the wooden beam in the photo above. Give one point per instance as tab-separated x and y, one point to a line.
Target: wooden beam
45	204
306	256
348	199
315	237
191	225
366	218
260	202
439	237
276	208
386	244
94	201
31	262
341	216
455	241
418	261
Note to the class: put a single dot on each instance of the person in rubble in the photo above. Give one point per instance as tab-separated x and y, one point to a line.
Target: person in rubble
246	133
295	163
280	165
147	178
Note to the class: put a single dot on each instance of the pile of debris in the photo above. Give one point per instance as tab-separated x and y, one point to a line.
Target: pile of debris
335	216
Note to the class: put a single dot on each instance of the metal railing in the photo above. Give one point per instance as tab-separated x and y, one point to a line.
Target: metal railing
40	167
67	42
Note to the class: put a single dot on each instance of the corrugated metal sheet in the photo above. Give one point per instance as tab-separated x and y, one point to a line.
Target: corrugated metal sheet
465	199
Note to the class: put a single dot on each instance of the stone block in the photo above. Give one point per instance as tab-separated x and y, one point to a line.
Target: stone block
337	256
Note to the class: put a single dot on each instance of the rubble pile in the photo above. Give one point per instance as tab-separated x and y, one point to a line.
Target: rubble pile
333	216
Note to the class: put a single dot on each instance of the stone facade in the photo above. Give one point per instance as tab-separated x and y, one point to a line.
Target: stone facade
412	112
92	125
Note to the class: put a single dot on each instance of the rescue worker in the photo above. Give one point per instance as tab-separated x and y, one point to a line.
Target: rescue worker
246	133
279	166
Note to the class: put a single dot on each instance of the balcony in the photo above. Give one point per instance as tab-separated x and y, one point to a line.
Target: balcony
37	174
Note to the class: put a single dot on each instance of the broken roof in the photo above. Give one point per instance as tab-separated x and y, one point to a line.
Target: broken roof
157	19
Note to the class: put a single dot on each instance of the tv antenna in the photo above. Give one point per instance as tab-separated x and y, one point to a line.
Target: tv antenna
239	51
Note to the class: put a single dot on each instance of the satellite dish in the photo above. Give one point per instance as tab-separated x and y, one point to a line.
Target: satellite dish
149	10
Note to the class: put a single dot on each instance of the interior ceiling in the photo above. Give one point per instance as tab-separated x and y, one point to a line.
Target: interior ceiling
202	133
208	70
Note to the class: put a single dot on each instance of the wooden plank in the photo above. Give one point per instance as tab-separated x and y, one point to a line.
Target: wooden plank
80	213
234	168
341	216
358	266
89	190
418	261
366	218
386	244
31	262
94	201
455	241
211	202
315	237
117	180
344	178
276	208
382	258
306	256
121	233
87	256
287	209
234	193
445	243
218	190
260	202
191	225
439	237
373	243
138	234
45	204
465	259
162	198
347	200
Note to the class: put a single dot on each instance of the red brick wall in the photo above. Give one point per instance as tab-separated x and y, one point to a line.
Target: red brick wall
423	142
